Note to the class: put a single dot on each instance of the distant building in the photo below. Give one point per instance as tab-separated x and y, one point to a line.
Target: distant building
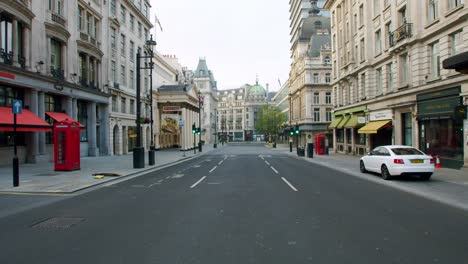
281	101
237	112
207	85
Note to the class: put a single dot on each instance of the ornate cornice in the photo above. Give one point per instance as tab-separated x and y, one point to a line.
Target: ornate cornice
89	48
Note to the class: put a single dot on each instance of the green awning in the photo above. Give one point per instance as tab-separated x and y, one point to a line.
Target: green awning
353	122
335	122
343	122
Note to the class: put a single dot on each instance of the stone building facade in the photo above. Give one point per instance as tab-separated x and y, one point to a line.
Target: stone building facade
310	77
126	29
52	58
237	112
206	82
388	83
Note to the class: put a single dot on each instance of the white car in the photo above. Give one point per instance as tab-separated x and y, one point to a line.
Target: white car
397	160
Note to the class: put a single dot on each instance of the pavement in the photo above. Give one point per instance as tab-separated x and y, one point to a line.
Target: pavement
448	186
42	179
239	204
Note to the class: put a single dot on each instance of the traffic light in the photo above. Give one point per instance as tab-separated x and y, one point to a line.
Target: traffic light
198	131
291	132
297	130
194	129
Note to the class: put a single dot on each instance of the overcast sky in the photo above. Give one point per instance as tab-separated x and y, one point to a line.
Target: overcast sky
239	39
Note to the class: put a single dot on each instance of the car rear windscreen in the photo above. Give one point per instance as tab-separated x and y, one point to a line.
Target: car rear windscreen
406	151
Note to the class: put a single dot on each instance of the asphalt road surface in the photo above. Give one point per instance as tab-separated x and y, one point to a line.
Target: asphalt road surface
238	204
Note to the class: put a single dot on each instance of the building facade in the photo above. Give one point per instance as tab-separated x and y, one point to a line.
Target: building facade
52	59
126	29
237	112
388	83
310	77
206	82
281	100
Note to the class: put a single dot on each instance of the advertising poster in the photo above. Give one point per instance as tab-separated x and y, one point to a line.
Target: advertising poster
169	123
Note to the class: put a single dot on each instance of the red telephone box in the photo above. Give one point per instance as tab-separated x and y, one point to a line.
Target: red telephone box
320	144
67	145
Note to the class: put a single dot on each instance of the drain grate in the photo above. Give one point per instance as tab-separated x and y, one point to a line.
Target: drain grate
58	223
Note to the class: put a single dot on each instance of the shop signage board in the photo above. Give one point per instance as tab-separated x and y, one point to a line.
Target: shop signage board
443	106
361	120
381	115
171	108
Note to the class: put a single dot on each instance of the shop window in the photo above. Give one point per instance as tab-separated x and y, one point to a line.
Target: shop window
360	139
7	95
349	136
340	136
83	119
407	129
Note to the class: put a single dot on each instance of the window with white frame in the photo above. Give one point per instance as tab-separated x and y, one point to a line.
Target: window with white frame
361	15
132	79
363	86
377	7
123	14
132	51
433	9
316	77
363	50
434	60
139	30
389	77
388	34
328	115
327	77
456	43
403	69
113	8
328	98
132	22
378	42
316	98
123	80
80	18
132	106
113	40
122	45
317	114
455	3
378	80
113	71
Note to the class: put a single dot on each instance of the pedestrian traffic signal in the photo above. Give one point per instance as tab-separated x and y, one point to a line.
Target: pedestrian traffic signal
194	129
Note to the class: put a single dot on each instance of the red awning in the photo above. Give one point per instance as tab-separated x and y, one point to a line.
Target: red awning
26	121
61	117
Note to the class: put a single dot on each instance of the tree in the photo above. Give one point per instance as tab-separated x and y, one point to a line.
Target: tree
270	119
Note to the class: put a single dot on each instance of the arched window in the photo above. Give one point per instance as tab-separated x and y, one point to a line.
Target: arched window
326	60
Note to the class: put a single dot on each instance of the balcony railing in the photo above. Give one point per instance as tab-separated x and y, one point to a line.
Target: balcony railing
58	19
57	73
401	33
84	36
7	58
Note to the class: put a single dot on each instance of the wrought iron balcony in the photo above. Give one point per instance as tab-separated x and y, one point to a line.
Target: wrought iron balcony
57	73
6	56
58	19
401	33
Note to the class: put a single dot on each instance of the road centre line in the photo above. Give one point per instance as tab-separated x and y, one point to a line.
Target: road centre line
156	183
221	162
268	163
274	169
213	169
195	184
290	185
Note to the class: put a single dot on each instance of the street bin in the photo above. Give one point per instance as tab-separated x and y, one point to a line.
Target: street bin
310	150
300	151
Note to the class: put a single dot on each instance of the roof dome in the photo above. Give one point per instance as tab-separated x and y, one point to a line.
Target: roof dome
256	90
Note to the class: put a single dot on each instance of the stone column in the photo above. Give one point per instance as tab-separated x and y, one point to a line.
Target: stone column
87	70
91	126
68	106
353	141
27	47
64	61
183	132
104	145
74	112
41	114
15	42
33	139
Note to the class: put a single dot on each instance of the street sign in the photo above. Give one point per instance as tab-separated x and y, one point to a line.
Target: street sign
181	123
17	106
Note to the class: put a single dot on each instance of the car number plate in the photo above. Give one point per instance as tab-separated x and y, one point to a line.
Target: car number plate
417	161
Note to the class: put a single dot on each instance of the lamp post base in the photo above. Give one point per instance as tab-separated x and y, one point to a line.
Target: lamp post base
151	158
138	158
215	145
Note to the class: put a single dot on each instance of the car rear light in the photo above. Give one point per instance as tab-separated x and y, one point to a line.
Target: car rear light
398	161
431	161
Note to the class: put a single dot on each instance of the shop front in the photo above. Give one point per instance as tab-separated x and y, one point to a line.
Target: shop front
379	130
345	125
440	118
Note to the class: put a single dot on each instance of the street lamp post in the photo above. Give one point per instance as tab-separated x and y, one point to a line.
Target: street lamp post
199	121
216	129
139	151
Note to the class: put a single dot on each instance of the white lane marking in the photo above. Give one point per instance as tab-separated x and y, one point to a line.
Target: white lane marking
290	185
177	176
213	169
195	184
221	162
156	183
196	166
213	183
138	186
160	181
268	163
273	168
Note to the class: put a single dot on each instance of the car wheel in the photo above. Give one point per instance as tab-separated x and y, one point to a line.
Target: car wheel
426	176
385	173
362	167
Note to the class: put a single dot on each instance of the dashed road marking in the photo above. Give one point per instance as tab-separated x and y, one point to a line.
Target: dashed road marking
213	169
268	163
195	184
156	183
273	168
288	183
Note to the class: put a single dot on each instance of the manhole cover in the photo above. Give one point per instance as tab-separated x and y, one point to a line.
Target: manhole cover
59	223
